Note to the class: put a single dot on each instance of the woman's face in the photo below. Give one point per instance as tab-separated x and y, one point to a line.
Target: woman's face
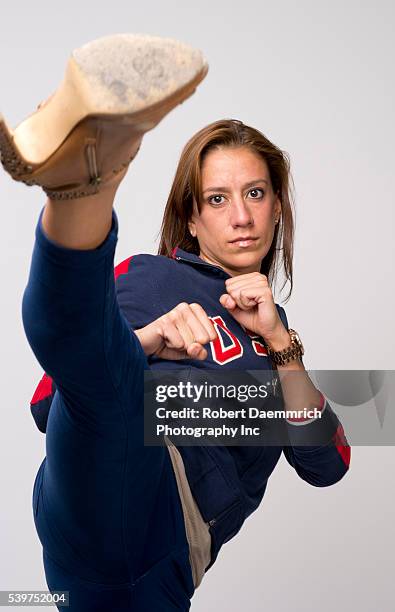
236	224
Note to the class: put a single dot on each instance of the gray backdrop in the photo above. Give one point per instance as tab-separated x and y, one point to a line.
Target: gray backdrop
317	79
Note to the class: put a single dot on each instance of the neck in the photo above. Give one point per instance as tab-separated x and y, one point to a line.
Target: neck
231	271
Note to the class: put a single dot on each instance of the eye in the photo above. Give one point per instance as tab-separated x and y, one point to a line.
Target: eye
216	199
256	193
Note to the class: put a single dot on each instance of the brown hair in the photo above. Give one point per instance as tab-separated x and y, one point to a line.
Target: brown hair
187	188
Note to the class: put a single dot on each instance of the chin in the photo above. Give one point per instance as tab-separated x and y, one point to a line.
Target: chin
245	263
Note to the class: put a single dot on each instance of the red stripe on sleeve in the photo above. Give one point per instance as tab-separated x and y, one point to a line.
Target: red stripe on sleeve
43	389
342	445
122	267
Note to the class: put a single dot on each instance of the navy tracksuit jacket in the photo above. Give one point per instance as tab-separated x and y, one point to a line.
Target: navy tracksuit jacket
228	483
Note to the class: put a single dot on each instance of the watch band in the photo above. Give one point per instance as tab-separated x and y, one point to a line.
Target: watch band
294	351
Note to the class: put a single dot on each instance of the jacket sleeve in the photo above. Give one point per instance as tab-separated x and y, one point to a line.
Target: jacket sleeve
324	463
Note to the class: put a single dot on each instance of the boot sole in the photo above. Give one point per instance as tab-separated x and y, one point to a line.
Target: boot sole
132	79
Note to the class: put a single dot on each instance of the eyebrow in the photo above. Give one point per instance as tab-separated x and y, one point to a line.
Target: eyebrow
262	180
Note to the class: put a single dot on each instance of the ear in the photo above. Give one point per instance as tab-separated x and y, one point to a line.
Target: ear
192	228
191	222
277	209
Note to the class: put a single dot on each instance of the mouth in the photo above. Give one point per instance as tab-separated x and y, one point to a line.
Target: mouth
244	242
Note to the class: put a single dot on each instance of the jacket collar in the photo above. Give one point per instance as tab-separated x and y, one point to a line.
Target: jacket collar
190	258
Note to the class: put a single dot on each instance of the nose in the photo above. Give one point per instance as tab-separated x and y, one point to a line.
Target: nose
239	213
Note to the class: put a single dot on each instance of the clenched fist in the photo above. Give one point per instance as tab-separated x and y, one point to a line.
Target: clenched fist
249	300
181	333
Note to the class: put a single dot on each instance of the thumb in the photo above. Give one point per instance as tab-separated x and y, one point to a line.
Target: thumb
227	301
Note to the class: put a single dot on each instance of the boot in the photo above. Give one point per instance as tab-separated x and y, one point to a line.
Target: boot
115	89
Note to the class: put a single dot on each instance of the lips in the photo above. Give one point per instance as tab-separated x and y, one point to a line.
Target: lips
243	241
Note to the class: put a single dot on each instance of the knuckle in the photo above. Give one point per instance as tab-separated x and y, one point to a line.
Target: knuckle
182	307
173	315
198	309
213	332
178	343
202	338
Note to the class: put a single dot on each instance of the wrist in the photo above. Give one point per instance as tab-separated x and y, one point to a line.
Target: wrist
149	338
140	335
280	340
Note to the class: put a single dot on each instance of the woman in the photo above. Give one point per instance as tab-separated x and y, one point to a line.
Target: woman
126	526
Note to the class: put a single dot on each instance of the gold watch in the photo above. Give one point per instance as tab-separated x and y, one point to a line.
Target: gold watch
291	352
